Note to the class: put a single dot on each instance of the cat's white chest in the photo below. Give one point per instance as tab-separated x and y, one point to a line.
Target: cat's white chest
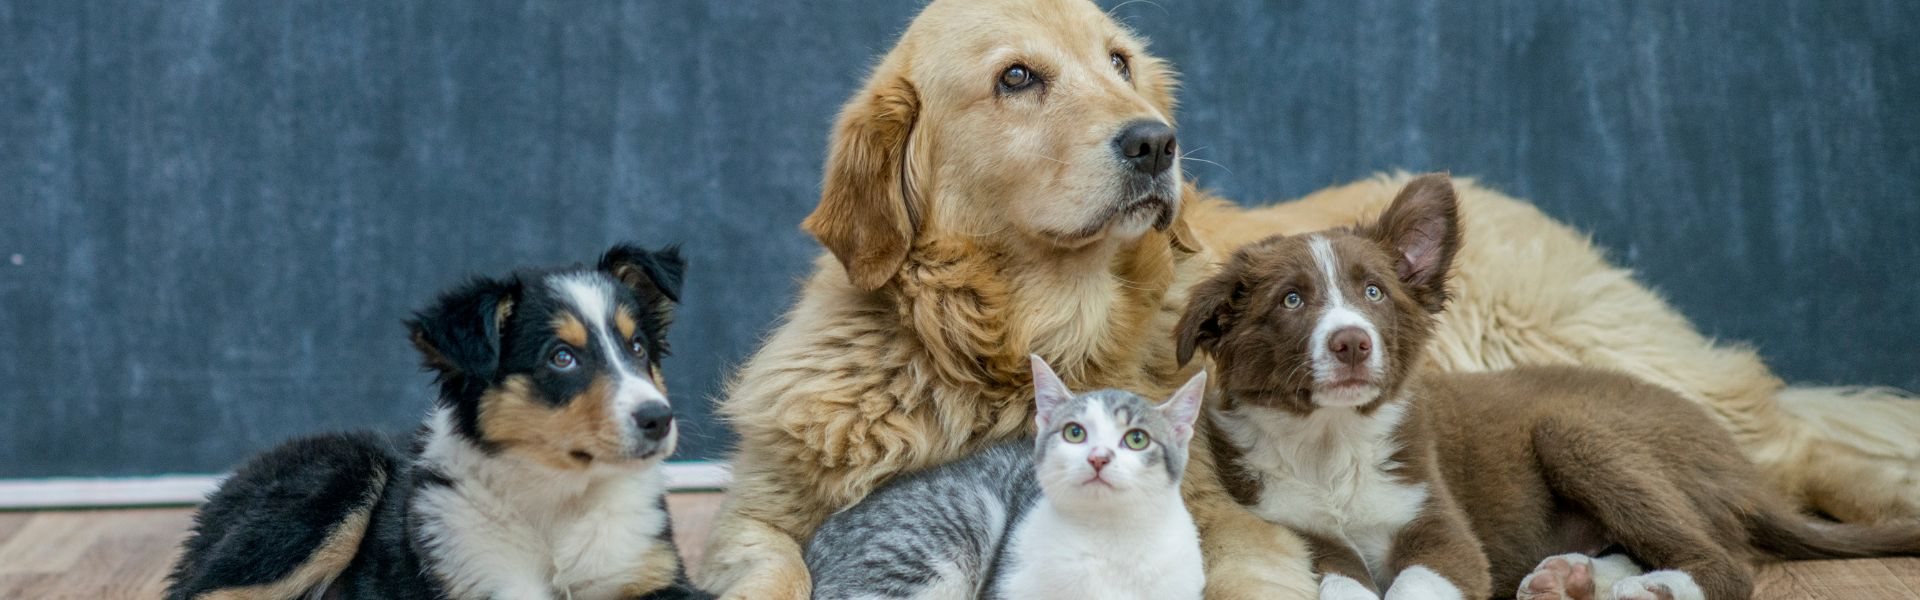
1327	474
1146	560
484	547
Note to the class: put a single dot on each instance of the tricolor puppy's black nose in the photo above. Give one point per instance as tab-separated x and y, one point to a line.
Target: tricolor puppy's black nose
1351	344
654	420
1147	144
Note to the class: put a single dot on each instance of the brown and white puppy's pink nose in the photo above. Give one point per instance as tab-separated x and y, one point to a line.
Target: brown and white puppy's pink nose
1351	345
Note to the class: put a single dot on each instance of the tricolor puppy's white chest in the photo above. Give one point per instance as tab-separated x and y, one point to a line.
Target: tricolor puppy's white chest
1328	473
500	530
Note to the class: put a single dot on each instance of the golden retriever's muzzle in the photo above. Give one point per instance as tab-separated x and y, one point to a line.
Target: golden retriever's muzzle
1152	184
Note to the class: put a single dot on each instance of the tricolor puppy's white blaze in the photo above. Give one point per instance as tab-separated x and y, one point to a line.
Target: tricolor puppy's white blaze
508	527
1420	583
1327	473
591	299
1335	315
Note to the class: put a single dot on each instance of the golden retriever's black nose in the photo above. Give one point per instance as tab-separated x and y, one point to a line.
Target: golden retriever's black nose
1148	145
654	420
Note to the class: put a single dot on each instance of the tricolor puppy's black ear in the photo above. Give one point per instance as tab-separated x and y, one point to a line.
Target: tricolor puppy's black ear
1211	307
459	334
648	272
1422	229
653	275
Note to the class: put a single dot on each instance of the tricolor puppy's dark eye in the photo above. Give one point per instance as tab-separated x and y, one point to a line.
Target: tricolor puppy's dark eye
1073	433
562	359
637	347
1016	78
1292	300
1120	66
1137	440
1373	293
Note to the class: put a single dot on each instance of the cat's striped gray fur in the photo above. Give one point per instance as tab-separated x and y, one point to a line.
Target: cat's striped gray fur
1076	510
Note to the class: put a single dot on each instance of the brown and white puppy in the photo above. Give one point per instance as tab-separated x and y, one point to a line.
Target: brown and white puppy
1431	485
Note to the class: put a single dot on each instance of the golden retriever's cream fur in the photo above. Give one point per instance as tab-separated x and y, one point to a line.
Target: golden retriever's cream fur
969	227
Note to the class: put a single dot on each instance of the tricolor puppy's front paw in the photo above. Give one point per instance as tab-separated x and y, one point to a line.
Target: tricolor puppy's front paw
1563	577
1658	585
1334	586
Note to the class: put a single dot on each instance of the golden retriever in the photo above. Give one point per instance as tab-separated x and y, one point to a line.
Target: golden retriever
997	189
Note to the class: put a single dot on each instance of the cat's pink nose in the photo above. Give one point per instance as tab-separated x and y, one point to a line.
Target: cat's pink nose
1099	459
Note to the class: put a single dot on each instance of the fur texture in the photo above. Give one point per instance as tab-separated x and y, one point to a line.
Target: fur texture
939	206
1426	482
534	477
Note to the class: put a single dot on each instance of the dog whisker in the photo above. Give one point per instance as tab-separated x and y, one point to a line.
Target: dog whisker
1117	7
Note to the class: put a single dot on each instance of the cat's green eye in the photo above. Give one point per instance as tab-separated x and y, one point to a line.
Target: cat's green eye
1373	293
1073	433
1137	439
1292	300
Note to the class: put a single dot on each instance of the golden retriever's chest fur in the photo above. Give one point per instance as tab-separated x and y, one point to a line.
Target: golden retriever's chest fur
924	371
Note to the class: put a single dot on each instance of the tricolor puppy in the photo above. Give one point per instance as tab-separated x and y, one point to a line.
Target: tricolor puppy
535	476
1430	485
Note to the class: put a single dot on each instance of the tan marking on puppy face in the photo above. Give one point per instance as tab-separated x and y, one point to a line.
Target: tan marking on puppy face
623	320
659	379
570	330
569	436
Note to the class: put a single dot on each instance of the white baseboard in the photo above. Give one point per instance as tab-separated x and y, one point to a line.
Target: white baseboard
186	490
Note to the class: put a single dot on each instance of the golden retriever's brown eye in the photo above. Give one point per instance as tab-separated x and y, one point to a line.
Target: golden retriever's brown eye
1120	66
1016	78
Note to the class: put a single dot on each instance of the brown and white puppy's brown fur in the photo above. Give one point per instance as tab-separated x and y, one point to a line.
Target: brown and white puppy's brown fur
1424	484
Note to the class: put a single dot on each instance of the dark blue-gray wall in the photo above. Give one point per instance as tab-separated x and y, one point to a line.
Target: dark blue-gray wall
213	215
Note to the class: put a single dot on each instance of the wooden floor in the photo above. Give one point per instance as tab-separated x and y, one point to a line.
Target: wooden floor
113	554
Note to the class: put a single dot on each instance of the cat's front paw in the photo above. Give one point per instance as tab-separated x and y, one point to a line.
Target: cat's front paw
1334	586
1658	585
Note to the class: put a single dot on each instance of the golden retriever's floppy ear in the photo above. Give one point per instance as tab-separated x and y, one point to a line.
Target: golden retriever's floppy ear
1422	229
864	216
1211	306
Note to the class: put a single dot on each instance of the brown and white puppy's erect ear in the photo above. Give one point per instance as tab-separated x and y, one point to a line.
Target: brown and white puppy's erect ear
1049	392
1422	229
1184	406
866	217
1211	307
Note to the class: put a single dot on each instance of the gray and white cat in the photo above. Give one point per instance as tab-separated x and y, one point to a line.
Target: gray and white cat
1090	508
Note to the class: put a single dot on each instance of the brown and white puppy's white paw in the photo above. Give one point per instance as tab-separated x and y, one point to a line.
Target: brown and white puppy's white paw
1334	586
1658	585
1563	577
1421	583
1576	576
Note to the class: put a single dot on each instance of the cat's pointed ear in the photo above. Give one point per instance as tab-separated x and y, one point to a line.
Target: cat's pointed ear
1049	392
1184	407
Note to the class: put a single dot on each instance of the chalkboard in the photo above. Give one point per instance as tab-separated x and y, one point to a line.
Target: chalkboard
214	215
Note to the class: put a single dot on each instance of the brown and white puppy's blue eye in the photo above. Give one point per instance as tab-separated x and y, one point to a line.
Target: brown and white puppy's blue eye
1017	78
1073	433
1373	293
1120	65
1292	301
562	359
